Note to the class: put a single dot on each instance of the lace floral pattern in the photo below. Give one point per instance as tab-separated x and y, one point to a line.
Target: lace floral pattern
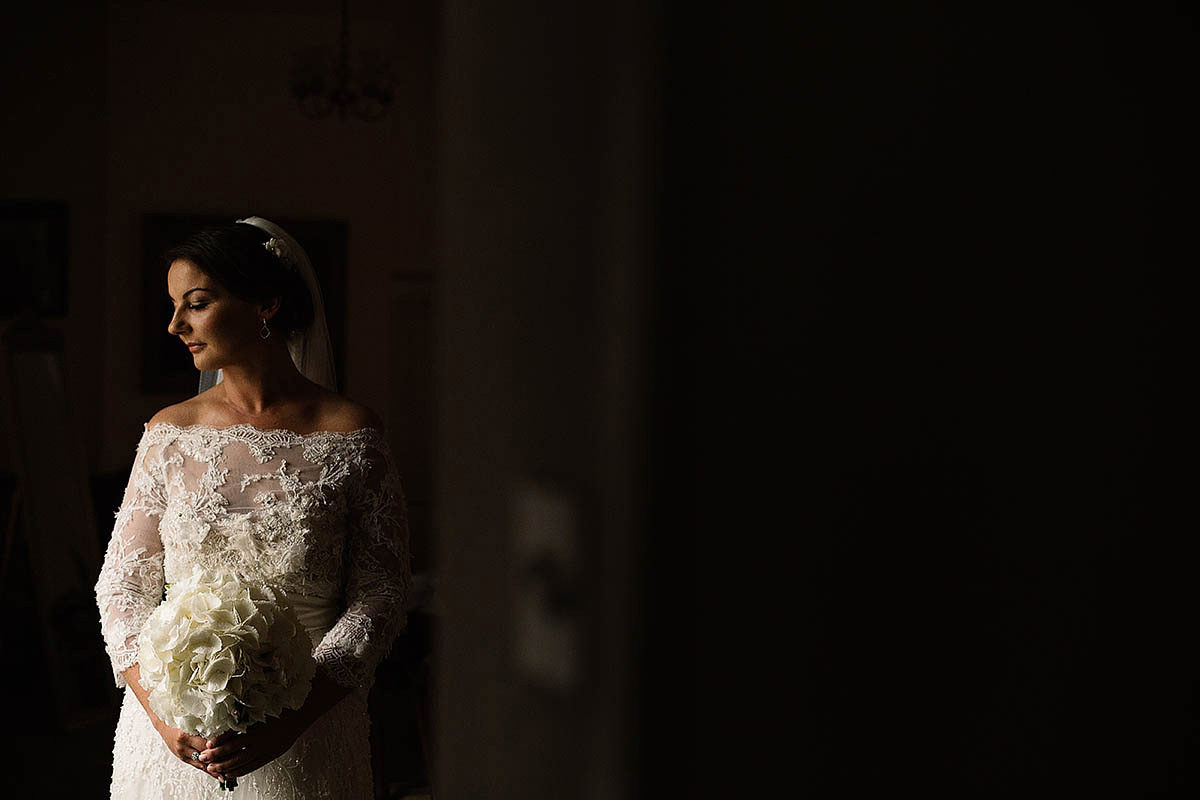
320	515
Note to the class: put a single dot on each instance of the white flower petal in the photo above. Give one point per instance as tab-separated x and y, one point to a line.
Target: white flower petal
222	654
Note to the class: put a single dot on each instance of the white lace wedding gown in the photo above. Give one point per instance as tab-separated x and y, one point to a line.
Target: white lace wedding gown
322	516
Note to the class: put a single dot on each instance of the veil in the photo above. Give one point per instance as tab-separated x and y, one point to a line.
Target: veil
311	348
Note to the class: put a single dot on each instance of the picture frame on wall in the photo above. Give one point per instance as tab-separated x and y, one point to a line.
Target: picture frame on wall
33	258
167	367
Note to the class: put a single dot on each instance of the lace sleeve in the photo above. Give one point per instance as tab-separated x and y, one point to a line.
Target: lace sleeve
377	574
131	580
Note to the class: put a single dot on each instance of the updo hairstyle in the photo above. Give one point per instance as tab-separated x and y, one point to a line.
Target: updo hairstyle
235	256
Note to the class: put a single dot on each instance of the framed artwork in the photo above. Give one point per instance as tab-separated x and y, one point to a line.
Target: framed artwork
166	365
33	258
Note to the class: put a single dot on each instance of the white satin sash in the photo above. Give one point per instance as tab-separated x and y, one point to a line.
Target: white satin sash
317	614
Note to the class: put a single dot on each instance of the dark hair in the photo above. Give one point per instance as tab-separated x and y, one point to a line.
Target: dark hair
235	256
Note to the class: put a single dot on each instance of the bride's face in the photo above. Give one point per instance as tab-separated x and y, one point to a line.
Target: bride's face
213	324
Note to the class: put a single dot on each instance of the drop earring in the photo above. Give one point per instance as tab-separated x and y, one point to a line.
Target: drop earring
265	333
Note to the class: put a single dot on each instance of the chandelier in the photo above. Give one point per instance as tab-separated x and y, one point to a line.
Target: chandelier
364	93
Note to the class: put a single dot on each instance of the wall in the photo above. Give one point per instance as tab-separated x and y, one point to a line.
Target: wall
548	119
53	137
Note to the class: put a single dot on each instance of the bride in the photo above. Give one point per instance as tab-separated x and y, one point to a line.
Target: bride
270	474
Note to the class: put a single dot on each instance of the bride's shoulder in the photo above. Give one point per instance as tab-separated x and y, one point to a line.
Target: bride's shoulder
180	414
342	414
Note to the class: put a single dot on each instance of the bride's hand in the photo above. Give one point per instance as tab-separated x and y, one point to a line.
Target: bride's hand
235	754
186	747
232	754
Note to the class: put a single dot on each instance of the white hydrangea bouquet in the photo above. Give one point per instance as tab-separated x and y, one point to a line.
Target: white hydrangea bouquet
221	654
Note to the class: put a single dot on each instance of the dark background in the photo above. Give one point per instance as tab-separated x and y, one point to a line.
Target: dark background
930	283
918	456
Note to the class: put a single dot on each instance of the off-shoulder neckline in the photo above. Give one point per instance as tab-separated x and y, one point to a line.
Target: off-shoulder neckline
246	426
